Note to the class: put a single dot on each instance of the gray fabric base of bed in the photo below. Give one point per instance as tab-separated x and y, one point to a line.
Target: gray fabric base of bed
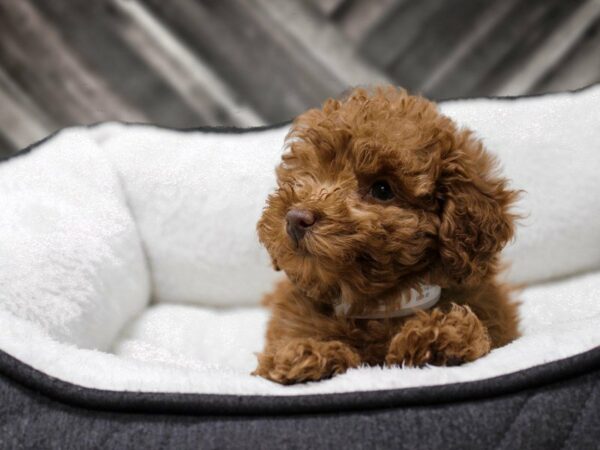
129	301
547	407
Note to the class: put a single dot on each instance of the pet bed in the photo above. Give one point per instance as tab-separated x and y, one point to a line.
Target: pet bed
131	275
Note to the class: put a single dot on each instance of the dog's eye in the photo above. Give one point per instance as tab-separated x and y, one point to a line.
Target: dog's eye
381	190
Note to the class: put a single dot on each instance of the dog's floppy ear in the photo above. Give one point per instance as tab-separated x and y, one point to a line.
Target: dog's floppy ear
475	222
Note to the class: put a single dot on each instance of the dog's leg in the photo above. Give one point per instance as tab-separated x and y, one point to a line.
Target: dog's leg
439	338
299	360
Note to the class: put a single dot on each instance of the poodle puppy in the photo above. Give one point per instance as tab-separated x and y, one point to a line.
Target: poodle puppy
388	221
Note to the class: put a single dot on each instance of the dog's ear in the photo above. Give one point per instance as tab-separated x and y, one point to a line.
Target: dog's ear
475	222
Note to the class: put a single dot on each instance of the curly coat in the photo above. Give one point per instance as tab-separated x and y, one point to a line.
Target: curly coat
446	221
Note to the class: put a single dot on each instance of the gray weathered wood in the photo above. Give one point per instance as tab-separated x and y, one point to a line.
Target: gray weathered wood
21	118
243	62
33	52
552	50
530	30
491	57
252	53
359	17
324	41
326	7
485	24
195	82
581	67
440	33
397	30
6	146
89	28
19	126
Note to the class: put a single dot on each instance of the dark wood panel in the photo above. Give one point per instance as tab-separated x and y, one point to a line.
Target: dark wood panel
22	121
317	36
492	54
440	33
580	68
19	123
358	18
244	62
92	30
329	8
6	146
42	63
554	48
395	32
252	54
541	22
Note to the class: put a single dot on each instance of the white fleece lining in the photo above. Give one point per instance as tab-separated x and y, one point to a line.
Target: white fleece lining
95	222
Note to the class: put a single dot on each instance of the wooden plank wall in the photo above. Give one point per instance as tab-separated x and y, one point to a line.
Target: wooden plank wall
188	63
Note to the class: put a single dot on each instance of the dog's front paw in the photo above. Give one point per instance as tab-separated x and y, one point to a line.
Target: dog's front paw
301	360
441	339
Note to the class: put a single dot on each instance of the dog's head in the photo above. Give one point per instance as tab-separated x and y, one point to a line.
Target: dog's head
380	191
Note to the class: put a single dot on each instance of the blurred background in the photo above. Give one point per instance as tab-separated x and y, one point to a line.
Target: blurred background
187	63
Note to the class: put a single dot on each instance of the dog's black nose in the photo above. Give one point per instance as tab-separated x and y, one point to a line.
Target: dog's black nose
298	222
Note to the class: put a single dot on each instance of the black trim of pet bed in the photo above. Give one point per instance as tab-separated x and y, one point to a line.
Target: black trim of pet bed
223	404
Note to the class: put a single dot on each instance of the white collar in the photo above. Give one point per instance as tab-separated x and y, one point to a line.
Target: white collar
426	296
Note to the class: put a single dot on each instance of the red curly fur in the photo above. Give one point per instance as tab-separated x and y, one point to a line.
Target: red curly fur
446	224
